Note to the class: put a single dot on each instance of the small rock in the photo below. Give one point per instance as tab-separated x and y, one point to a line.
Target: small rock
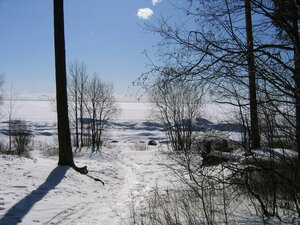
152	143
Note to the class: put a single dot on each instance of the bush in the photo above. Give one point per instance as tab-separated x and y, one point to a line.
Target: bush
177	107
208	204
273	186
168	207
22	137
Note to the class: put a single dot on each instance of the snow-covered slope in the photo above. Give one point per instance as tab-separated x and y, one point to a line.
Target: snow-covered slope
37	191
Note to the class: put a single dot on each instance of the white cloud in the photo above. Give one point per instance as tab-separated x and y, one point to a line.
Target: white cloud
144	13
155	2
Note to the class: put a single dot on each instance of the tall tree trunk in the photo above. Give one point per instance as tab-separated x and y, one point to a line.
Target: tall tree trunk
254	131
81	120
295	19
93	128
76	113
65	147
64	140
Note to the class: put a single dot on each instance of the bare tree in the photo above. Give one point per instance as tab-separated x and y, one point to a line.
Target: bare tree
101	106
91	103
10	110
81	91
177	106
222	54
254	131
217	56
107	110
284	17
76	87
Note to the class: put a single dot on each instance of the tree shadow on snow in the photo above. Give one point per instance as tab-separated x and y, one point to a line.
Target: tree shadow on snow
18	211
146	125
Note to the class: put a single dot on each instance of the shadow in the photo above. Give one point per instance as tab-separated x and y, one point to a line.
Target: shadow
230	127
45	133
124	125
18	211
152	126
201	125
147	126
145	134
204	125
46	129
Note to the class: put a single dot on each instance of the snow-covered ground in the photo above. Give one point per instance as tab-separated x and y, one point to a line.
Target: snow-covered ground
37	191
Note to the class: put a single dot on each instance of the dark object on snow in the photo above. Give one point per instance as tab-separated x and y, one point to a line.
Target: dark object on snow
207	147
213	159
96	179
217	144
82	170
212	155
222	145
152	143
114	141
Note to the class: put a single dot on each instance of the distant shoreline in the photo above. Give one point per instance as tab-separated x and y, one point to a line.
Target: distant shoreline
48	100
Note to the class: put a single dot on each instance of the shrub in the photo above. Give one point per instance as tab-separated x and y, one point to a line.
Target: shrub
22	137
273	185
177	107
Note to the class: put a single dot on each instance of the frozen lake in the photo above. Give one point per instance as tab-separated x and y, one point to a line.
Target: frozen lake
44	111
133	124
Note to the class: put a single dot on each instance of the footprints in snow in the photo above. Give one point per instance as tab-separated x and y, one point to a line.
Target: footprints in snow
2	204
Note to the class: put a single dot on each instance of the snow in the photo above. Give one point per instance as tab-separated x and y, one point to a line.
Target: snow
37	191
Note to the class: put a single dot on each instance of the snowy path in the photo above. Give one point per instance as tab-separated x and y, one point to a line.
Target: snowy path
54	195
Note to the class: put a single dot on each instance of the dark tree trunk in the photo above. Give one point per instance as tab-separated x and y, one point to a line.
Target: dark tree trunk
254	131
93	128
295	19
286	18
65	147
64	140
76	113
81	121
81	94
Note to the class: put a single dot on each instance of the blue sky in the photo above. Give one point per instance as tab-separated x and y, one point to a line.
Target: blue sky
107	35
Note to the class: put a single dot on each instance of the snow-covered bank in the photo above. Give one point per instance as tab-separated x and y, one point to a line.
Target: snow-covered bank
37	191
